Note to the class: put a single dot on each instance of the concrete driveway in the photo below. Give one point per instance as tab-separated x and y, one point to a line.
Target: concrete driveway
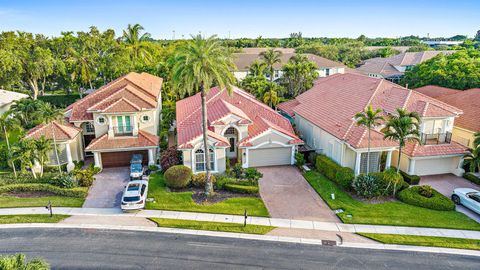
287	194
446	183
107	189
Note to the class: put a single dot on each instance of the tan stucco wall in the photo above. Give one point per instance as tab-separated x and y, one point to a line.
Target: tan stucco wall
436	165
270	136
463	136
349	158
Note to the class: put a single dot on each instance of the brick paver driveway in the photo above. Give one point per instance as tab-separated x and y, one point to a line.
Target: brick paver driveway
446	183
288	195
107	189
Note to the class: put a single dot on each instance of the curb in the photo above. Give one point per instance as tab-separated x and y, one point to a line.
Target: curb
270	238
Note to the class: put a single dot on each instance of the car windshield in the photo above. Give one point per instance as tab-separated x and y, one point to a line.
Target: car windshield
136	159
131	199
136	167
133	187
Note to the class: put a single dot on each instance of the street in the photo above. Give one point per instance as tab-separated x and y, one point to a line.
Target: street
103	249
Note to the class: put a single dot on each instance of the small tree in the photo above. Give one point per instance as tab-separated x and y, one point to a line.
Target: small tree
370	119
8	124
24	151
43	146
472	159
271	57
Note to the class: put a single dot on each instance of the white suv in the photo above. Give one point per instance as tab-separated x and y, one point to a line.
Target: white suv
135	195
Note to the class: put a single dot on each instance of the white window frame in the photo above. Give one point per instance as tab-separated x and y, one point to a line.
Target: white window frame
98	120
213	161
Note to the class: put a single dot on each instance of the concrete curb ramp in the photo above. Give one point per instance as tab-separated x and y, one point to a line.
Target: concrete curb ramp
244	236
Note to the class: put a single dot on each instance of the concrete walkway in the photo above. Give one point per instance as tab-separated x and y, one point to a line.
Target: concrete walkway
287	194
276	222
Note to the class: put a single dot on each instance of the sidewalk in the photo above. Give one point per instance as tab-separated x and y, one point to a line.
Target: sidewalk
276	222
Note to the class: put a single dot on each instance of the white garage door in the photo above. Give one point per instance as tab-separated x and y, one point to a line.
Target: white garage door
435	166
269	156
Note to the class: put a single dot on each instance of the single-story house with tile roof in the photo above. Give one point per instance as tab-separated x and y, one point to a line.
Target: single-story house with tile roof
7	98
240	128
468	101
67	138
324	117
120	119
244	60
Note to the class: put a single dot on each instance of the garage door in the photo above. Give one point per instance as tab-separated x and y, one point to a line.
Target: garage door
436	166
269	156
121	159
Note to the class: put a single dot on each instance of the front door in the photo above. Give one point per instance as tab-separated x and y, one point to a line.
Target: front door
232	150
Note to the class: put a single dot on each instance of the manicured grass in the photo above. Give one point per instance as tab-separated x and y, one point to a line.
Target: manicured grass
182	201
429	241
389	213
212	226
12	201
32	219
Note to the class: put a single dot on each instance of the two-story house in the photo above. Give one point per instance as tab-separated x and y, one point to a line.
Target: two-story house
325	119
114	122
240	129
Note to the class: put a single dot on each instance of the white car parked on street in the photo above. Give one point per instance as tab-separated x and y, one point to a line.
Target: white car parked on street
135	195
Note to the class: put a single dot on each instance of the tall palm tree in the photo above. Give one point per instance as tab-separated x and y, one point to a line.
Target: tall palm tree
270	95
43	146
472	159
24	151
198	65
9	124
271	57
257	68
370	119
25	109
403	127
137	42
49	114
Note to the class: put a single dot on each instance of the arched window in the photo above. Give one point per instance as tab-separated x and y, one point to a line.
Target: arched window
230	131
200	160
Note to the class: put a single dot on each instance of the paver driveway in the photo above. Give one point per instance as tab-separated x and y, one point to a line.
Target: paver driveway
287	194
107	189
446	183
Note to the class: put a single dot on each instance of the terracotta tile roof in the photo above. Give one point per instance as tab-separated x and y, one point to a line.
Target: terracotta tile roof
288	106
333	102
414	149
436	91
62	132
144	139
139	89
469	102
219	104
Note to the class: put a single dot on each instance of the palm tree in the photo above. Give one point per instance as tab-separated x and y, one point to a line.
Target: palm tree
370	119
257	68
25	109
198	64
18	261
472	159
271	57
43	146
476	140
403	127
24	151
49	114
8	124
270	95
137	42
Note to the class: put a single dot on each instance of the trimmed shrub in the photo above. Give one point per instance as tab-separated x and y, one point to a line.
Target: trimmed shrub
237	171
85	177
368	186
426	191
299	160
67	192
178	176
153	168
169	157
410	179
472	178
344	177
390	181
199	179
253	175
241	189
437	201
67	181
222	180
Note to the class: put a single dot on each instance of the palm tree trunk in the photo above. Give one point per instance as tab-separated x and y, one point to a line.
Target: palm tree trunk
56	151
33	171
8	147
368	151
399	157
208	182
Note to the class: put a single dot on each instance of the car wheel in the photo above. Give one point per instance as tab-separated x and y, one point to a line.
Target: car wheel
456	199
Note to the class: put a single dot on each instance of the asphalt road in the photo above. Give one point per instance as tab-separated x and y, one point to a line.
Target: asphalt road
102	249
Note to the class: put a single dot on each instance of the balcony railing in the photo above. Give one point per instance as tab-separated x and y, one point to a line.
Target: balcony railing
123	130
436	138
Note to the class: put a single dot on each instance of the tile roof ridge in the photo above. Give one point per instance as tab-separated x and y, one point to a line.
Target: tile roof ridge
96	140
143	133
121	99
425	108
451	108
135	94
410	91
141	88
61	127
199	108
35	130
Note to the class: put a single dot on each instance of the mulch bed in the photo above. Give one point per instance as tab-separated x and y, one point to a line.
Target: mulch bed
199	196
29	194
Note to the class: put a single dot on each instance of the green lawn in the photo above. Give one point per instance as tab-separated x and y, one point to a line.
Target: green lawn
182	201
212	226
389	213
11	201
32	219
429	241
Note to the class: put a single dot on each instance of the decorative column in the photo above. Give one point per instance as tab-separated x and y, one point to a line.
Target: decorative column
411	166
151	161
70	165
358	160
134	124
110	127
96	158
36	166
388	162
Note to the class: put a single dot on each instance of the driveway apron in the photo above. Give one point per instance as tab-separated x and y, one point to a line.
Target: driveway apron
107	189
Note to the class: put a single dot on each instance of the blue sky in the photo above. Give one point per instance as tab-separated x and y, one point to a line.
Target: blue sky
248	18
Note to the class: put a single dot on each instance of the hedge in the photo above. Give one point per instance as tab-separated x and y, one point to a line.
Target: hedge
472	178
60	101
241	188
67	192
23	178
341	175
436	202
411	179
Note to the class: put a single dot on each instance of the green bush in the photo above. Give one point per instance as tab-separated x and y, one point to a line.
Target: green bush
153	168
368	186
390	181
410	179
66	181
426	191
472	178
23	178
241	188
343	176
199	179
178	176
60	101
67	192
299	160
85	177
222	180
437	201
237	171
253	175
